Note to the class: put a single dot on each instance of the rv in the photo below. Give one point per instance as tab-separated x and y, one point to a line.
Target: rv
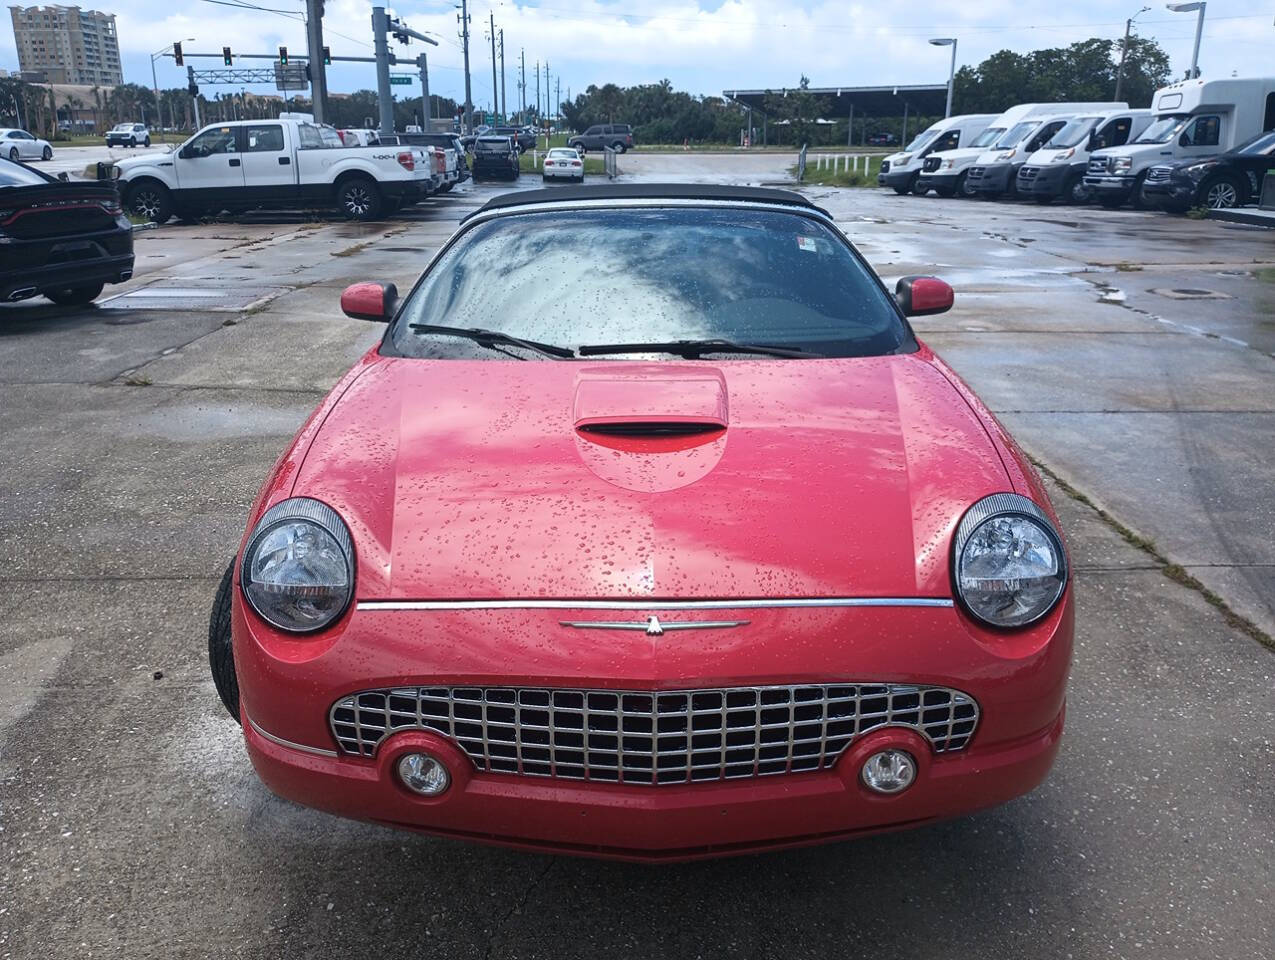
1058	168
946	172
1193	118
900	170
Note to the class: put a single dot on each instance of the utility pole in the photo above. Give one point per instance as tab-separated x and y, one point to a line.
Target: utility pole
464	36
1124	51
314	42
504	101
547	94
557	99
423	62
539	115
522	86
495	106
380	25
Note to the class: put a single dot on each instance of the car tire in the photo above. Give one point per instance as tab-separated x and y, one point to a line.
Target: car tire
1221	193
221	652
13	154
917	190
359	199
47	154
579	148
945	191
1075	192
146	142
1136	197
904	189
618	147
963	188
75	296
151	200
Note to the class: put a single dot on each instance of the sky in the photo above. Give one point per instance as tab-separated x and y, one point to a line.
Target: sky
702	46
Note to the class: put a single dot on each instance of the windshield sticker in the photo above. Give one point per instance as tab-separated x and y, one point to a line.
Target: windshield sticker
809	244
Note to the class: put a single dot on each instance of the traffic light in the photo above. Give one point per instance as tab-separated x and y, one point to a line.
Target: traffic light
193	89
177	54
226	57
327	56
283	56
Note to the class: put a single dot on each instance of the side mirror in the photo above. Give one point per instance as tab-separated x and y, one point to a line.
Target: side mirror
64	176
923	296
184	153
369	301
1184	140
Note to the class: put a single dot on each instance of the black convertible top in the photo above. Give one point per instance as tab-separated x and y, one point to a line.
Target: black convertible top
647	191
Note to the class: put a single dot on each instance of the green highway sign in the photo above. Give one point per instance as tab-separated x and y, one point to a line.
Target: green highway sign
401	79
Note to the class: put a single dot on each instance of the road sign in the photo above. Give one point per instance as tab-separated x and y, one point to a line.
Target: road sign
401	79
290	76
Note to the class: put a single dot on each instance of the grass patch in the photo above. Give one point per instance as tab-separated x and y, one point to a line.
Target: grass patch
840	177
1126	267
99	140
527	163
1175	572
351	250
1266	274
138	380
1198	213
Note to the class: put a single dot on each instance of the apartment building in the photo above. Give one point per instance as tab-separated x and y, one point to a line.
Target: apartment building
67	44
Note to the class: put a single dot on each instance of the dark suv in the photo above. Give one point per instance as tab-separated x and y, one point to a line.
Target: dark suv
495	157
617	136
522	136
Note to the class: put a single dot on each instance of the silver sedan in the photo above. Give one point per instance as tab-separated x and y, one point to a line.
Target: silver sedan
20	145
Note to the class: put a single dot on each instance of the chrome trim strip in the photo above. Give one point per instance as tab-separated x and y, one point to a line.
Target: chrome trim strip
652	625
279	741
654	604
612	203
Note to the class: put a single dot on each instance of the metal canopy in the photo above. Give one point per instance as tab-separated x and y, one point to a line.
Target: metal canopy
928	100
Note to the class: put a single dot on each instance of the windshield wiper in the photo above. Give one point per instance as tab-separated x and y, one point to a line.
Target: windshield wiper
692	349
486	338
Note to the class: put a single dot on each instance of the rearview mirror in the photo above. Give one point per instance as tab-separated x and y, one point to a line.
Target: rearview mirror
369	301
923	296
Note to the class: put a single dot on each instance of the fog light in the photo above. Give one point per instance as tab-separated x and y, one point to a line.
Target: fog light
422	774
890	771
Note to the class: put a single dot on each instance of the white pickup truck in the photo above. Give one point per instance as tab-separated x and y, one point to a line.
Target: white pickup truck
274	163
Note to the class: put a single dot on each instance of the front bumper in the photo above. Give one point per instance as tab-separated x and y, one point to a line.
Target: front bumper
1046	180
288	686
1110	184
1172	193
937	180
992	180
897	179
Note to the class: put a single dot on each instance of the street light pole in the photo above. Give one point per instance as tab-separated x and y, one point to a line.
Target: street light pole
951	74
155	82
1199	29
1124	50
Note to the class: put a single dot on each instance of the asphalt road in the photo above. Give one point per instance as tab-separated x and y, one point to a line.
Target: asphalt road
133	436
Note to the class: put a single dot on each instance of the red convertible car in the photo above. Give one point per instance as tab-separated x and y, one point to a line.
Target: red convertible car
649	530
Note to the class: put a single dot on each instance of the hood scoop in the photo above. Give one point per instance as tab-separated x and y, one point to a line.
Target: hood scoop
649	429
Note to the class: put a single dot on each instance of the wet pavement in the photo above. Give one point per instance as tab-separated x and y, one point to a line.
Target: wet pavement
134	434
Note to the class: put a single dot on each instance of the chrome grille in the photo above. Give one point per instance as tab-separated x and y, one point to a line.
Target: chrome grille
1097	165
885	166
931	164
975	173
1157	174
654	737
1028	173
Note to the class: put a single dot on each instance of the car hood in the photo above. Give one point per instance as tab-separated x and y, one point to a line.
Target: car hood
960	153
146	160
479	480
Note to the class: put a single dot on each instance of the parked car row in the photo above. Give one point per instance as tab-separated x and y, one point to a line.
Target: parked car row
273	164
1203	143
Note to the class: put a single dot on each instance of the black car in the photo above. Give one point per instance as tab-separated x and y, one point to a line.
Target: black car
1231	179
495	158
617	136
522	136
60	238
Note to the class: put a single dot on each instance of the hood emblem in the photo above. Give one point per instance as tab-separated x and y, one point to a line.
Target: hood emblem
652	625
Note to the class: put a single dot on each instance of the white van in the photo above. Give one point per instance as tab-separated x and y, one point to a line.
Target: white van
1058	168
946	172
995	173
900	170
1193	118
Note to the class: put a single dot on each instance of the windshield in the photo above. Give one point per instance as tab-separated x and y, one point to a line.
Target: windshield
988	137
562	152
593	276
1018	133
1074	133
1164	129
922	139
491	146
1259	146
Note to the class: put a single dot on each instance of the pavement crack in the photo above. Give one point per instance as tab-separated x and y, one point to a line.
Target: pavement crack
519	907
1176	572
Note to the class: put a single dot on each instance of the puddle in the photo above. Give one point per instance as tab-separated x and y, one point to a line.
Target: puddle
173	295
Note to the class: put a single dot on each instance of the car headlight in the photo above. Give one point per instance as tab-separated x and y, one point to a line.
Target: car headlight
1122	165
1196	169
298	568
1007	155
1063	155
1009	567
948	164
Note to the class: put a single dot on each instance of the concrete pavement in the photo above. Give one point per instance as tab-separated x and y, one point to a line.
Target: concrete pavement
133	437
